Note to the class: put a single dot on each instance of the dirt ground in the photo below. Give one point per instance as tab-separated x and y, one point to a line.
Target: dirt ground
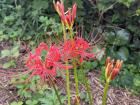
116	96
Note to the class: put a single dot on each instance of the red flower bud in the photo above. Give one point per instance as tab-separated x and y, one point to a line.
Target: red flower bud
67	18
74	8
112	70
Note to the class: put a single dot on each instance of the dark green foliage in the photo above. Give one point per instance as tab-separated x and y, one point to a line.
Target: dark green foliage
118	21
27	19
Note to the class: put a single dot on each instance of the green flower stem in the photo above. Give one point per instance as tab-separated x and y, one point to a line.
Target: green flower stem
75	68
76	81
56	91
88	87
67	71
104	100
64	32
71	34
68	84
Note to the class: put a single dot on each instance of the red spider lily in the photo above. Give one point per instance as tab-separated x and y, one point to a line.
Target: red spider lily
41	47
70	16
53	54
111	69
75	49
47	67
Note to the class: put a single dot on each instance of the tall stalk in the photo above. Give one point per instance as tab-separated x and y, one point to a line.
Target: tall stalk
76	81
88	87
68	84
67	71
104	100
56	91
75	68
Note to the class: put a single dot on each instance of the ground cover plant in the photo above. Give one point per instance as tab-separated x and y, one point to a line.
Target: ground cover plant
65	50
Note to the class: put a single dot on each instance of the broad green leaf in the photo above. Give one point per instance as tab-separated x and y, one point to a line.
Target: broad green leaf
122	37
110	37
123	53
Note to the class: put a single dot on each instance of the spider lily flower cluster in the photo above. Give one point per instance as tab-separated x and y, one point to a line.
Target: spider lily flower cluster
76	49
55	56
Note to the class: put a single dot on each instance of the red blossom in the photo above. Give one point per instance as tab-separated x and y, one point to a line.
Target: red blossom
77	48
47	67
42	46
53	54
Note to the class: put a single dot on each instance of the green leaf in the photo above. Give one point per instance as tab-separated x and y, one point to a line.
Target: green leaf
122	37
15	51
17	103
99	52
31	102
110	37
126	2
5	53
9	64
124	80
137	81
79	3
40	4
123	53
138	12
